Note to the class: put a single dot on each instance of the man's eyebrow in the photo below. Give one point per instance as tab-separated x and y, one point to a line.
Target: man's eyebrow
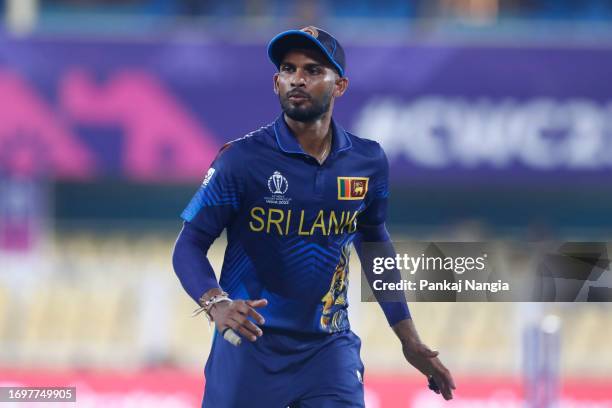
307	65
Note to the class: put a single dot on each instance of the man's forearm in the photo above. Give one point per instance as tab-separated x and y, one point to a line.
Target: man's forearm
191	265
406	331
374	241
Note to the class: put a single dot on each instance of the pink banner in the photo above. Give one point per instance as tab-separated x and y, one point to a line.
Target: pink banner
162	140
174	388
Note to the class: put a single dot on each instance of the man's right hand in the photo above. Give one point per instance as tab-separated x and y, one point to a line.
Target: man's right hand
235	315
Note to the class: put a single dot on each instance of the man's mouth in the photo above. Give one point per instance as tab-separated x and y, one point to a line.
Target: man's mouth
297	96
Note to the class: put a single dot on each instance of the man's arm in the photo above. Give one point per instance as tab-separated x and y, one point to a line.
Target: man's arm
212	209
396	310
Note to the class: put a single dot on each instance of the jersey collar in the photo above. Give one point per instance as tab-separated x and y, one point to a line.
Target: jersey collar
288	143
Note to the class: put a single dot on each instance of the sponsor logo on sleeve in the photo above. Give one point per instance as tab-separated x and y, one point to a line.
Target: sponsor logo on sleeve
208	176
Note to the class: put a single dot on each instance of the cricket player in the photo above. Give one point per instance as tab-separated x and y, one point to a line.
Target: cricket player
293	196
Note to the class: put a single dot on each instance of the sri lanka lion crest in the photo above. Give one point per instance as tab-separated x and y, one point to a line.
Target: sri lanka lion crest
334	315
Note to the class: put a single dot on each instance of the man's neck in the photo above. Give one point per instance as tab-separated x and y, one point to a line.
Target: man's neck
315	136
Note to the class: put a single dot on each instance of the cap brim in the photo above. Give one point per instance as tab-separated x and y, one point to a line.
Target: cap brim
292	39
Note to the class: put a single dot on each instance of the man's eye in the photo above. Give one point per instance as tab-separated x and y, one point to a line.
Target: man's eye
285	68
315	71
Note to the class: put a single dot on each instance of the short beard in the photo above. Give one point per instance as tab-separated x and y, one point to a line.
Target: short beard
301	114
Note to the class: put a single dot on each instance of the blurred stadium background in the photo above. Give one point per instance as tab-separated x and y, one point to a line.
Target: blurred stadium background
496	116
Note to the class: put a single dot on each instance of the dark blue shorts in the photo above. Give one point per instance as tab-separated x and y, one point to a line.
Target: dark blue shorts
284	369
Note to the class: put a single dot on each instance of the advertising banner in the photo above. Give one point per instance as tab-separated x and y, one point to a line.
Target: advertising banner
159	111
177	389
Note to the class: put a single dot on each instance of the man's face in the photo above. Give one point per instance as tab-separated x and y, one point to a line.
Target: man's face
306	85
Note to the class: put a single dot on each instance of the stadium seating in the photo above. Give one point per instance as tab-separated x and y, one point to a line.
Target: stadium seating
96	310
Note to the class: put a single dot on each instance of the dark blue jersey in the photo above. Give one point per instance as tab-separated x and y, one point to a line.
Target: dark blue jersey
290	221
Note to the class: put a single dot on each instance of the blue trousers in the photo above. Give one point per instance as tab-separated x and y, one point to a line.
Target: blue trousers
283	369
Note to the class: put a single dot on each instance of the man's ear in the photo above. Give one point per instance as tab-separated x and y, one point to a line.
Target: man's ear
340	86
275	83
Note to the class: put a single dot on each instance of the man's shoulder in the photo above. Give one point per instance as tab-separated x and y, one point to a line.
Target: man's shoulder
366	146
239	149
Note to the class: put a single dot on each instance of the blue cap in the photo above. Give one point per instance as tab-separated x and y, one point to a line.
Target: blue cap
307	37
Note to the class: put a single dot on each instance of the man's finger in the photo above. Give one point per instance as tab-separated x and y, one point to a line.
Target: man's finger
445	373
444	387
257	303
243	330
258	318
432	385
443	379
236	323
254	329
451	381
244	323
247	334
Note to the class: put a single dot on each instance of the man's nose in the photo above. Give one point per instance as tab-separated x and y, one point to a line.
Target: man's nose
298	78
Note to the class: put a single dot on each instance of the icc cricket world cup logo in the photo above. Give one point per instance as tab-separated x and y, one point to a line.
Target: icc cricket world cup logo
277	183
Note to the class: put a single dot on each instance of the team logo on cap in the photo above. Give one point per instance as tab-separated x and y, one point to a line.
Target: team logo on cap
352	188
311	30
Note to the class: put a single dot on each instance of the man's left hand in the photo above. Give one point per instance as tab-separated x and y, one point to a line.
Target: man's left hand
426	361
